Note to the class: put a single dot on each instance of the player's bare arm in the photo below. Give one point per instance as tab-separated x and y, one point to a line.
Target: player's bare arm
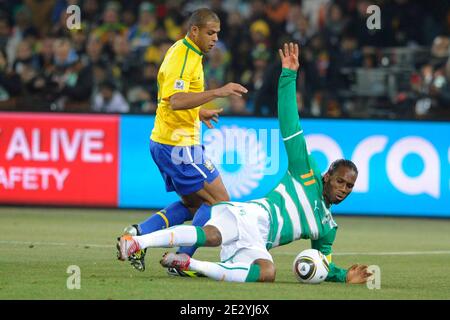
189	100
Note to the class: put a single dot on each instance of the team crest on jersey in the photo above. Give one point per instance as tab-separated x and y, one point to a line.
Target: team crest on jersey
208	165
179	84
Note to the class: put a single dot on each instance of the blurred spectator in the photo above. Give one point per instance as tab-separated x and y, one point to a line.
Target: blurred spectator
21	29
277	11
140	35
155	53
217	7
91	13
440	89
298	26
265	83
128	18
347	69
10	85
238	106
5	30
432	85
111	25
143	94
317	69
260	32
315	11
94	51
440	50
124	65
109	99
335	26
41	13
173	19
239	44
79	39
66	75
25	56
368	37
59	28
215	67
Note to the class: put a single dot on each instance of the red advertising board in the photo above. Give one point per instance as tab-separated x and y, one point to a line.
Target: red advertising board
58	159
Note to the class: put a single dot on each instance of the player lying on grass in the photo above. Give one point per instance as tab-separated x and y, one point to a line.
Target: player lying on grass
298	208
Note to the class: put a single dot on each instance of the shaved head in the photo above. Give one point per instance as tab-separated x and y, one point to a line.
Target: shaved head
201	17
203	29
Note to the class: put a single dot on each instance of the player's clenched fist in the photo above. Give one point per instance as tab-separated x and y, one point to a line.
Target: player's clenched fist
231	89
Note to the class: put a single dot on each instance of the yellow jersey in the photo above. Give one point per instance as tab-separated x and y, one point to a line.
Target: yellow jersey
180	71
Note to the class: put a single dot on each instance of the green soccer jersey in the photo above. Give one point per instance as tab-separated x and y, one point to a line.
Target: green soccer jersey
296	205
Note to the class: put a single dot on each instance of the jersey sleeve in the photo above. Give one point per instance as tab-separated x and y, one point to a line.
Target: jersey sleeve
324	245
177	75
289	121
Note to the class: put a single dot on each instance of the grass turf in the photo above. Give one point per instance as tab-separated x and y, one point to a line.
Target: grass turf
38	244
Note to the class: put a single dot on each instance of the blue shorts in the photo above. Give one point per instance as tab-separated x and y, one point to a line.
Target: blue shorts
184	169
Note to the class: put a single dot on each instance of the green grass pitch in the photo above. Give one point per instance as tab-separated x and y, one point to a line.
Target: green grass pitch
37	245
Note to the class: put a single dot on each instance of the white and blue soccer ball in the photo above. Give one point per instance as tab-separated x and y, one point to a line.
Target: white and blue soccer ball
310	266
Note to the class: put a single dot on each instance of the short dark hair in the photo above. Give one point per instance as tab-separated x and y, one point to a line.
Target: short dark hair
341	162
201	17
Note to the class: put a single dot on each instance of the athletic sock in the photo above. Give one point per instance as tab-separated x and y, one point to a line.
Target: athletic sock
233	272
202	215
173	215
172	237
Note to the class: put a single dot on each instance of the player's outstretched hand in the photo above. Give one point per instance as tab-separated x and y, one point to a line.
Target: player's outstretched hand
358	273
231	88
289	56
206	115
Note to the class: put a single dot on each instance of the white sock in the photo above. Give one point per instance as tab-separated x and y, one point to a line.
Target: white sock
168	238
233	272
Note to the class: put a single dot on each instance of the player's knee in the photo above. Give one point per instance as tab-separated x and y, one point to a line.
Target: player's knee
216	194
191	204
213	236
216	198
267	271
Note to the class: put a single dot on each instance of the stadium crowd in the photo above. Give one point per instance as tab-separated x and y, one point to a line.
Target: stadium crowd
111	63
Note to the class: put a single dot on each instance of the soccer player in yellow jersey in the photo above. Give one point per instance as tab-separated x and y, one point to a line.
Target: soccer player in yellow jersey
175	140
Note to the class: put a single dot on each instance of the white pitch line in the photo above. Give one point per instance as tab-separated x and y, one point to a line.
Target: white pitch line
64	244
373	253
381	253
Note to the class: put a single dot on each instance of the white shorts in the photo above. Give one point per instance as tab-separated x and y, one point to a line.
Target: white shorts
244	228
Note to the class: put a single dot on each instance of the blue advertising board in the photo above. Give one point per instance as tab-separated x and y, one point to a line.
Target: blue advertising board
403	166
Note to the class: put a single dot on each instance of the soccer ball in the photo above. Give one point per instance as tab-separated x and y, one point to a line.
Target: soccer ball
310	266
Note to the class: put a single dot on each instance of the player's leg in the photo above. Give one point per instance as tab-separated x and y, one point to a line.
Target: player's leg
222	227
208	236
169	163
212	193
262	270
238	225
174	214
177	213
244	254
